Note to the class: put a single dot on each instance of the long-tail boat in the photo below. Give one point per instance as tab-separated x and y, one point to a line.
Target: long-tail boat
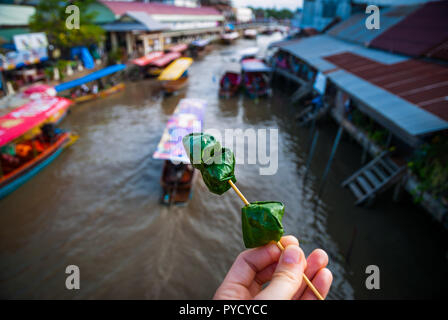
256	79
199	48
175	76
157	66
178	175
250	34
142	65
81	92
230	82
29	141
229	37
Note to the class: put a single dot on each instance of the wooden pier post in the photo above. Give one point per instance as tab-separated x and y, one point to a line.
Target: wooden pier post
330	160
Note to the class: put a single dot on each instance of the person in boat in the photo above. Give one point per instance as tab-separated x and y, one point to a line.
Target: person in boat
283	270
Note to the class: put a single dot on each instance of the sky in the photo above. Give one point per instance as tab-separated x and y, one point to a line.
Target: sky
279	4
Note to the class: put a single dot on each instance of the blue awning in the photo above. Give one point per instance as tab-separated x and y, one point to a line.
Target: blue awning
200	43
90	77
254	65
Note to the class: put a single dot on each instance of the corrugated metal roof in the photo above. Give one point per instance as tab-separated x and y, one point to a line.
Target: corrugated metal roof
121	7
313	49
418	33
421	83
133	20
388	84
354	28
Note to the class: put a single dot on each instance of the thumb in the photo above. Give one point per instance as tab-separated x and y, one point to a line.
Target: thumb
287	277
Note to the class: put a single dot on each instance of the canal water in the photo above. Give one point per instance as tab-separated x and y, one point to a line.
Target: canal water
97	207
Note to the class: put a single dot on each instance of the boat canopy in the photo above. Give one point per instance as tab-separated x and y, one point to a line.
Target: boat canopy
187	118
29	116
230	36
164	60
90	77
176	69
249	53
178	47
254	65
200	43
147	59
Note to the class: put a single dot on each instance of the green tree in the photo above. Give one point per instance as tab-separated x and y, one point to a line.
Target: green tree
50	17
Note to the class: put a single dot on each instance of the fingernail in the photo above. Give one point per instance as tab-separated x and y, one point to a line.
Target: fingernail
291	255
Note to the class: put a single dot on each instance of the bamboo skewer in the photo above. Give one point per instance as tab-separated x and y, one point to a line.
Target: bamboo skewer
279	245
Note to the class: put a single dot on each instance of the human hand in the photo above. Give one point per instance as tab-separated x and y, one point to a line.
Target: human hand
255	267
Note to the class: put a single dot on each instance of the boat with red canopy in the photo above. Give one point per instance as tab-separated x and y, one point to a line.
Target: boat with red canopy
230	82
156	67
142	64
178	175
29	141
181	47
256	77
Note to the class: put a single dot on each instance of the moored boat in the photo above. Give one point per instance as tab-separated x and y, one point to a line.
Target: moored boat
175	76
250	34
29	141
229	37
199	48
157	66
256	79
142	64
230	82
99	87
178	175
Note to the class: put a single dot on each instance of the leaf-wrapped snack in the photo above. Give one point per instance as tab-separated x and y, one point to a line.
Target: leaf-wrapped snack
217	164
217	175
262	223
200	148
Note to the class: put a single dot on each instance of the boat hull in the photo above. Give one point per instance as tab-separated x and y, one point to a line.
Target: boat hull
101	94
176	193
17	178
175	85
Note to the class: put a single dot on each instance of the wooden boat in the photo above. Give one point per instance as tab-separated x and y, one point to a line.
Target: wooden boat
230	84
199	48
101	94
175	85
82	96
142	64
178	175
175	76
256	79
177	183
250	34
229	37
29	143
157	66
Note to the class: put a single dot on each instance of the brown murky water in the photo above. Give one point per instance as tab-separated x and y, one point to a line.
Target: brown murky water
97	207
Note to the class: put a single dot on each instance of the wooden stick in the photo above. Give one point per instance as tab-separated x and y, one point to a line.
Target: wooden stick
279	245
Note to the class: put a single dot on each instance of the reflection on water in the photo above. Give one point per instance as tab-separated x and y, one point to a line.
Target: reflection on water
97	207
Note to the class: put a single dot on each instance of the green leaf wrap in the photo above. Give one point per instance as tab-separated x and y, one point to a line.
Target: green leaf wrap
217	164
262	223
217	175
200	148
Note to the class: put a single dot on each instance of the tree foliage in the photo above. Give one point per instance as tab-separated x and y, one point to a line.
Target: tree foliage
281	14
50	17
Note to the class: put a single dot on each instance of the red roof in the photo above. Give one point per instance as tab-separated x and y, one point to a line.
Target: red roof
121	7
421	83
421	31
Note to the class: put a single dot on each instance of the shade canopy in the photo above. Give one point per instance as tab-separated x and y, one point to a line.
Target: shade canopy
90	77
165	59
200	43
176	69
179	47
147	59
187	118
254	65
30	115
